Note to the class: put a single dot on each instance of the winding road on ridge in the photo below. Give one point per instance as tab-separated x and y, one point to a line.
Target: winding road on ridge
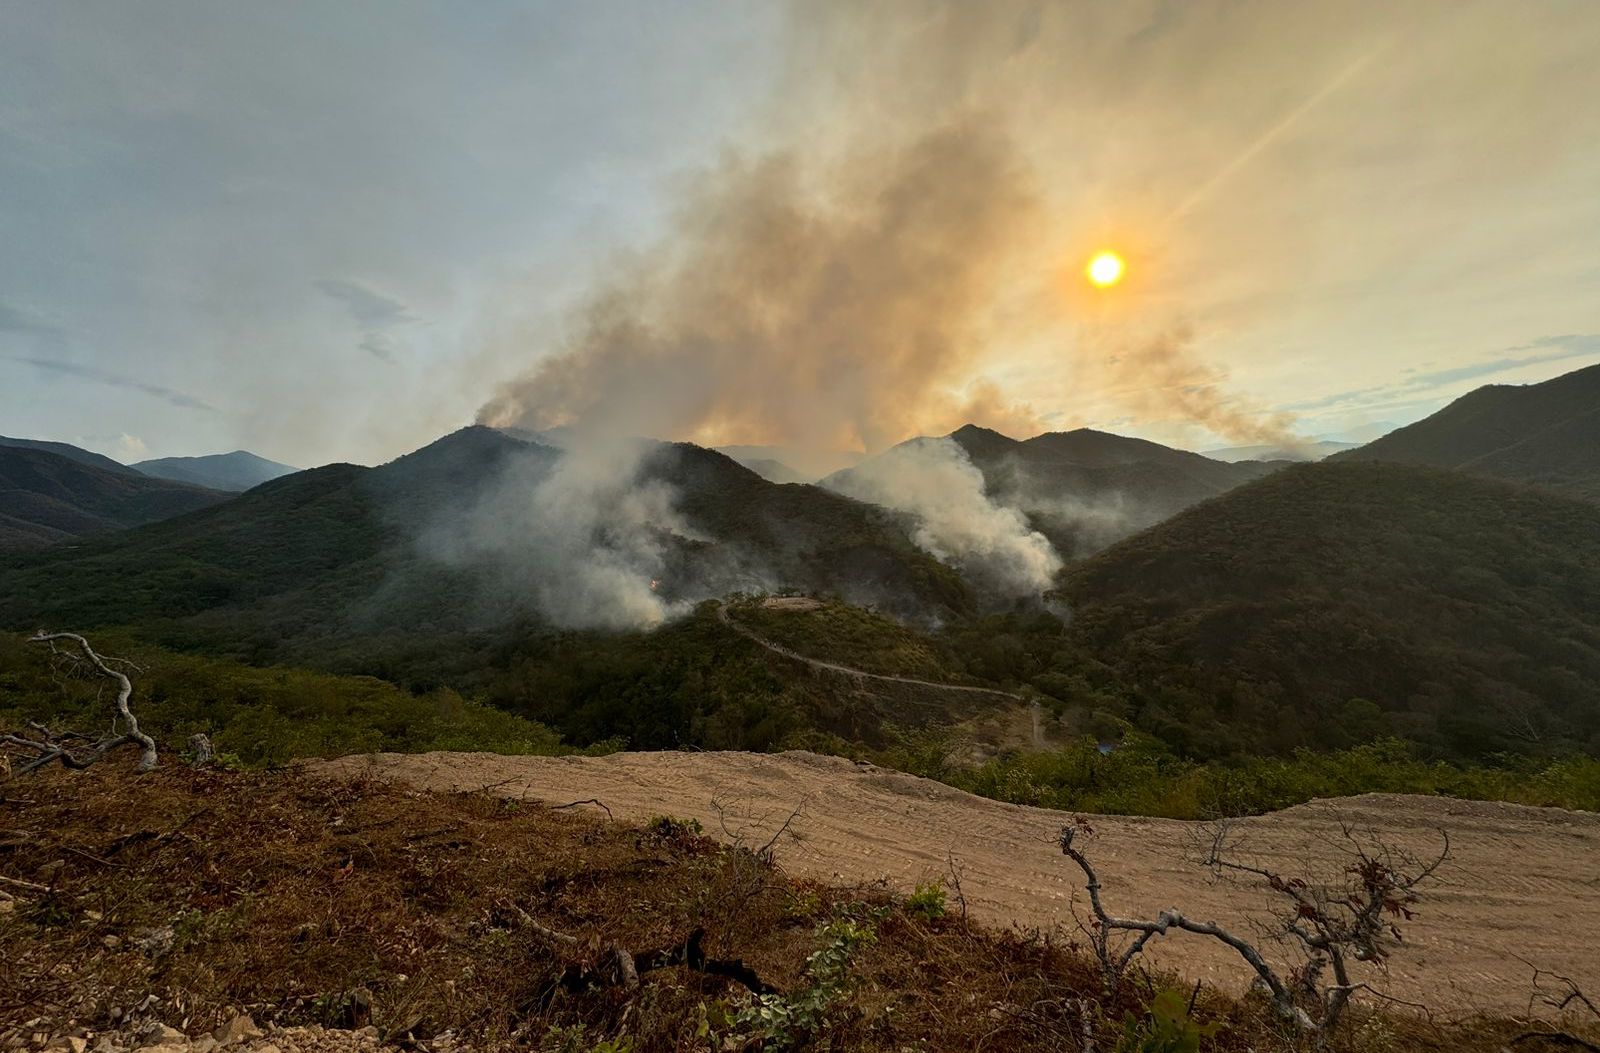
1522	884
1036	734
833	667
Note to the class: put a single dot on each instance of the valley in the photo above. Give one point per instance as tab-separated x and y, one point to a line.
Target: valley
808	526
856	671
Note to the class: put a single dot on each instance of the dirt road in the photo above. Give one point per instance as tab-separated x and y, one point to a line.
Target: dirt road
801	603
1017	722
1523	883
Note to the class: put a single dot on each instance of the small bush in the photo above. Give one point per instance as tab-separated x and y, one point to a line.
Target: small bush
790	1021
671	829
927	901
1166	1027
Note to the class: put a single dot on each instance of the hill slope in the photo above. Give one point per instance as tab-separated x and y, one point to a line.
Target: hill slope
232	472
865	824
1546	433
344	552
72	453
46	497
771	470
1086	489
1344	599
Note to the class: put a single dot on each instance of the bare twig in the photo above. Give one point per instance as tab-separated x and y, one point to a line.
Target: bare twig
765	852
587	800
1564	1000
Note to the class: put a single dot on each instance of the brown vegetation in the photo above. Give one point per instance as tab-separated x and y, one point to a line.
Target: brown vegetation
310	901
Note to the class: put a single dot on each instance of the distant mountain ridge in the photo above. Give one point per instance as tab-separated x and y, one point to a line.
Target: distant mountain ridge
771	470
1306	451
47	497
234	472
75	453
1085	489
1546	434
335	553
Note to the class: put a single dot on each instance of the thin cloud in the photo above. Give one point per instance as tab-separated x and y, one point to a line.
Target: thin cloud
116	380
371	309
15	320
1572	345
377	345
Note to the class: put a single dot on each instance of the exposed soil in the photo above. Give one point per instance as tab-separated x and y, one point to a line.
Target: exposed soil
1522	885
792	603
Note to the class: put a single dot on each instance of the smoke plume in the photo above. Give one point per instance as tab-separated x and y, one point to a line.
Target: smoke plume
582	541
937	484
823	305
867	274
1159	378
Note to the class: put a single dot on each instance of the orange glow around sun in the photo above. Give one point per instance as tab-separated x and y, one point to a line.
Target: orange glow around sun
1105	269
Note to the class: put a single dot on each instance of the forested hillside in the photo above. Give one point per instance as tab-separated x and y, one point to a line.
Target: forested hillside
47	496
1086	489
1548	434
308	564
1331	602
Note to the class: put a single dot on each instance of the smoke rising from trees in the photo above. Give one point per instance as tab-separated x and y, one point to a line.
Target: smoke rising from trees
936	483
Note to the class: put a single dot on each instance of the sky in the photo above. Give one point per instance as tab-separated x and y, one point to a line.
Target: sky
336	231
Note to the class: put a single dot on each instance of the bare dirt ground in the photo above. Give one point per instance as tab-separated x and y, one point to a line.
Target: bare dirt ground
1522	886
791	603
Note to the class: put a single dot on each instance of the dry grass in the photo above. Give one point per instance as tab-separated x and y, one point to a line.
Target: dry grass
283	893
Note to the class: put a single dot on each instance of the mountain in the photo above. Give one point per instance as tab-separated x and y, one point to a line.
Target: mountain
1085	489
1307	451
1341	600
233	472
811	463
771	470
46	497
450	538
1547	434
72	453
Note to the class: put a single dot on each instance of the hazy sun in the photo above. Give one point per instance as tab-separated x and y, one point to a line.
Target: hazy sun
1105	269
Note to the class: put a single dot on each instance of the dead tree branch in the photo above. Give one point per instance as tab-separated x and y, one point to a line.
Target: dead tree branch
1334	925
200	746
1567	998
620	967
587	800
56	747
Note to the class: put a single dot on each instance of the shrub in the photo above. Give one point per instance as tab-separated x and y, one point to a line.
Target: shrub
1166	1027
789	1021
927	901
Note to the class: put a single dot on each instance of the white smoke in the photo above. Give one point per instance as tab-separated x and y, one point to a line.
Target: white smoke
584	542
935	482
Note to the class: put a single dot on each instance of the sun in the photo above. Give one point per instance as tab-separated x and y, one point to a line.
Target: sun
1105	269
